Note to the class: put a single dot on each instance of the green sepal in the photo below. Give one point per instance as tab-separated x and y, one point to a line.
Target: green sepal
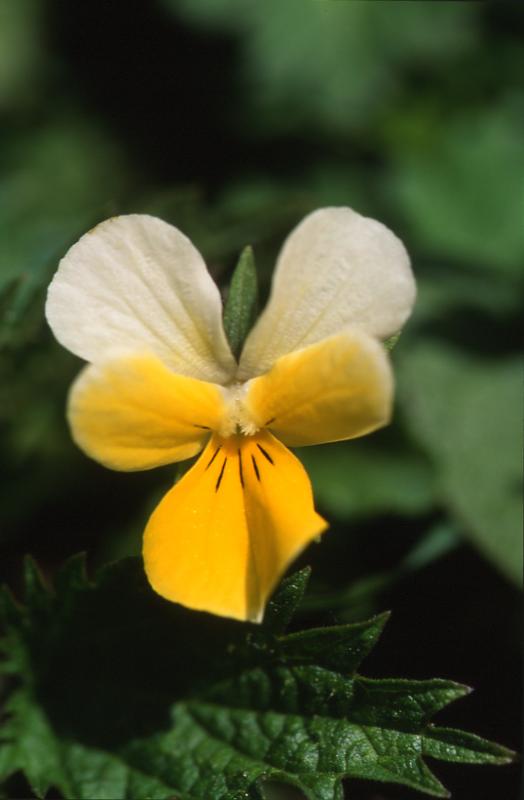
242	301
390	343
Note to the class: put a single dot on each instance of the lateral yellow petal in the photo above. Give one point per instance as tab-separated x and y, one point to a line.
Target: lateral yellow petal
221	538
337	389
134	413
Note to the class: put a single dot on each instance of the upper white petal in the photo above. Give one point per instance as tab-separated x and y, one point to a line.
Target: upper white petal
336	268
136	283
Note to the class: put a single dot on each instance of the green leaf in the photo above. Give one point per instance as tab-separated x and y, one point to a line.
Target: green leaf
123	695
357	59
339	647
58	178
241	305
460	189
441	292
283	605
353	479
449	744
466	412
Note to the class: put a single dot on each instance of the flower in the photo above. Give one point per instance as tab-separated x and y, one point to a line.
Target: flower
133	297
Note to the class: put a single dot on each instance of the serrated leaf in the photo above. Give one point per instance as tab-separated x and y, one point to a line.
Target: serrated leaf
123	695
449	744
283	605
340	647
36	594
241	305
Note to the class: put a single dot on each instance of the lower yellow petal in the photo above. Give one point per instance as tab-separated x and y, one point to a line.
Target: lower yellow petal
339	388
134	413
221	538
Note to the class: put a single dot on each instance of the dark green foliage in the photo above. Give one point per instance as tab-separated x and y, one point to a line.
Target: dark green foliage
121	695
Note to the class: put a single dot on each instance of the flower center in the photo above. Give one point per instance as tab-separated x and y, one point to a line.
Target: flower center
237	418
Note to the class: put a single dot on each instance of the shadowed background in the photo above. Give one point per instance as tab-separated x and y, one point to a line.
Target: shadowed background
232	119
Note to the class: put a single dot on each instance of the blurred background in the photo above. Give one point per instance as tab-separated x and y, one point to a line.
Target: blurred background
232	119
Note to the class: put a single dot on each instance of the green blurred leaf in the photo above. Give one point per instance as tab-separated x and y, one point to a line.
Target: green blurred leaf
466	413
22	63
57	181
240	309
124	696
354	72
460	187
442	291
353	479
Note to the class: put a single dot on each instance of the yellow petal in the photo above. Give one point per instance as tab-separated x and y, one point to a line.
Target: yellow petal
134	413
337	389
222	537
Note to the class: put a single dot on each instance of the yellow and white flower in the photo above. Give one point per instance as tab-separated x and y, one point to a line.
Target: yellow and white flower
133	297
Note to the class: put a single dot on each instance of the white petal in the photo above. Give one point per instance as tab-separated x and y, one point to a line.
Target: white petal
135	283
336	268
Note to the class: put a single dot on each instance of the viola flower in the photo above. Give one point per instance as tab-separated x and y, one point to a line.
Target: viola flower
133	297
